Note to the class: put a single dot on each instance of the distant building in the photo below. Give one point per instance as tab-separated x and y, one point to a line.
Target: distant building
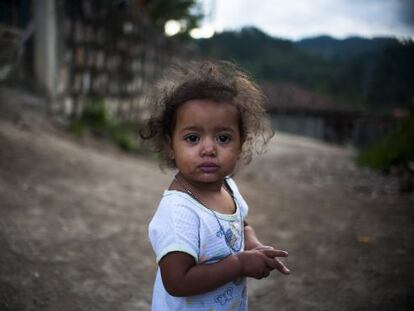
298	111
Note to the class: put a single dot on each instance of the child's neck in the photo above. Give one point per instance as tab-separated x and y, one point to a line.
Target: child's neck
211	195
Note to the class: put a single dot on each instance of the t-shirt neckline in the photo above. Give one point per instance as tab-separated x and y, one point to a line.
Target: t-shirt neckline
229	217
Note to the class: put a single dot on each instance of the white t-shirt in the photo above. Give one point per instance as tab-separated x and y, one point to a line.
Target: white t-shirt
182	224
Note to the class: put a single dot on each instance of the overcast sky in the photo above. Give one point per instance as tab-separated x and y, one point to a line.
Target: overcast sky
295	19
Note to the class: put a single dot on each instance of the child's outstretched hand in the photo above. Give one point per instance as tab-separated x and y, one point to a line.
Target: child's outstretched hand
258	262
279	265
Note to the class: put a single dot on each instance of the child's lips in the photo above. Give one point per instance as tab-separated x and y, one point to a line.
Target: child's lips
208	167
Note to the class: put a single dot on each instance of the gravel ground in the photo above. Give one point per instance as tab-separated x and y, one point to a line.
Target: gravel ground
74	215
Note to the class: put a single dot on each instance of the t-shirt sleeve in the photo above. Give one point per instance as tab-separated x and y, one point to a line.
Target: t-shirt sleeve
174	228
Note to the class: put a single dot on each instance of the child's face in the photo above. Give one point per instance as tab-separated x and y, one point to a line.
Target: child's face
206	143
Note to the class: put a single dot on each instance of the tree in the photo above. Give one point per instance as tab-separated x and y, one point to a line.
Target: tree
187	12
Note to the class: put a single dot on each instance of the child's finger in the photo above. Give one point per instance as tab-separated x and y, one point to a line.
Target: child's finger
263	247
271	263
278	265
275	253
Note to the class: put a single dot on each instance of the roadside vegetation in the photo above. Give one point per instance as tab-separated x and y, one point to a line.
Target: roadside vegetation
97	121
394	153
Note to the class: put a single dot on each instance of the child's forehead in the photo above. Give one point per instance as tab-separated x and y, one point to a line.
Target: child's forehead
206	111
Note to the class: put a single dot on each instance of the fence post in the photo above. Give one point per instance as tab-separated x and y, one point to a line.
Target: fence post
45	56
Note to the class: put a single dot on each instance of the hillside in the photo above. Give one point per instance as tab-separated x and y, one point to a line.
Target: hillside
357	72
344	49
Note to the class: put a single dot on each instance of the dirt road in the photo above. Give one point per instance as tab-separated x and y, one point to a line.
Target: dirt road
74	215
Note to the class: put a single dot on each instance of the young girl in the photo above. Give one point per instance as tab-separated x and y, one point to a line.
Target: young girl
207	118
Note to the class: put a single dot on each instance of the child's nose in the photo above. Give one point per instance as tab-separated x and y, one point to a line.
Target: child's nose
208	148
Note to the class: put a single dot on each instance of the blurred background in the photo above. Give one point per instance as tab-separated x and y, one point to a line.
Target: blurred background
337	71
77	187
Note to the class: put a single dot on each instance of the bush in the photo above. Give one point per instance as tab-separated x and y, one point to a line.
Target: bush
394	150
95	114
96	119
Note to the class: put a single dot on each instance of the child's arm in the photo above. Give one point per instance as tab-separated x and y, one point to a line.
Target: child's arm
251	242
183	277
250	238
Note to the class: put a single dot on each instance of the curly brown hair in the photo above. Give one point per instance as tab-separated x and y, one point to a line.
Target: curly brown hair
218	81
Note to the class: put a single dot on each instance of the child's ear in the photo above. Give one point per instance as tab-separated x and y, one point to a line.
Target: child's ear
169	148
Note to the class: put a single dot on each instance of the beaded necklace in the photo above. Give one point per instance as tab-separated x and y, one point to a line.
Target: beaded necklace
227	238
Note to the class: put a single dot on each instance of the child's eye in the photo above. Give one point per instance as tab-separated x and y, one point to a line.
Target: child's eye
223	139
192	138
